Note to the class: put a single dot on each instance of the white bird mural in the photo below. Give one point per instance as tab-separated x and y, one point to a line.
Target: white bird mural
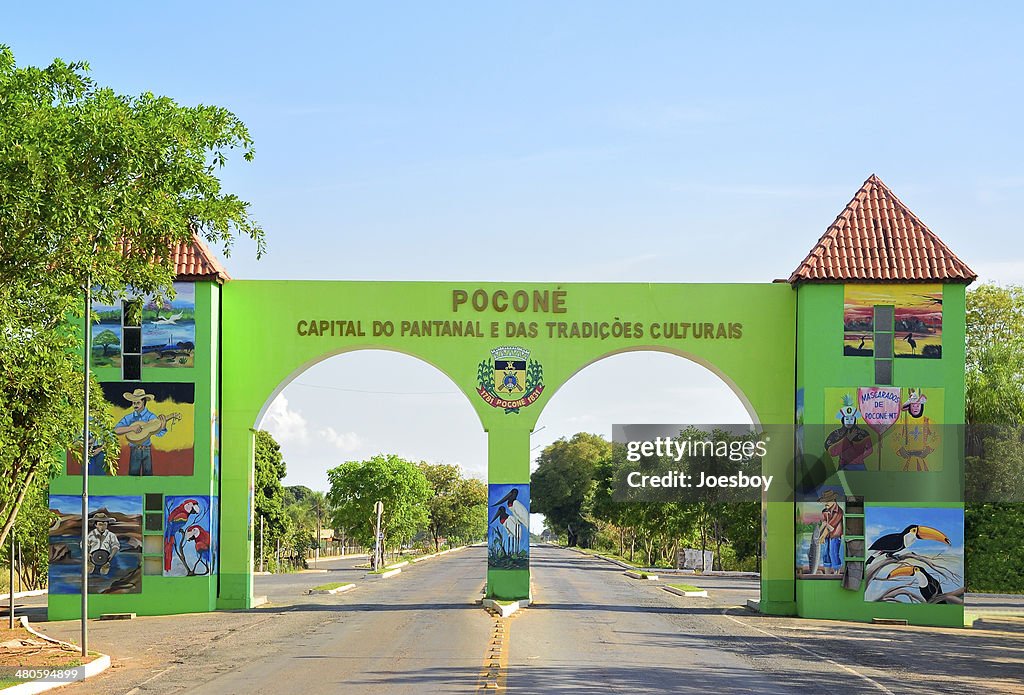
512	528
169	321
516	511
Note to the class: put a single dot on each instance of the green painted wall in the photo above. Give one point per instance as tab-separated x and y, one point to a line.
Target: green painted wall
820	365
162	595
263	351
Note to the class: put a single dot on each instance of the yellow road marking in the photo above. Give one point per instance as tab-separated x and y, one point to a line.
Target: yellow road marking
494	674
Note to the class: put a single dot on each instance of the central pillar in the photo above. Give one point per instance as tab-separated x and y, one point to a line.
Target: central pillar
508	500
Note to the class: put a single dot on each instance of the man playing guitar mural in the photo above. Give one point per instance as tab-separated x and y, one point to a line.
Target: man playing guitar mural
138	427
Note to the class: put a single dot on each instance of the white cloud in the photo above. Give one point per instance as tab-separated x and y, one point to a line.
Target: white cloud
345	441
285	424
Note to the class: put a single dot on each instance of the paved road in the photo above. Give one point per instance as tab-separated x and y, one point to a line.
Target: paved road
592	630
595	631
280	588
420	632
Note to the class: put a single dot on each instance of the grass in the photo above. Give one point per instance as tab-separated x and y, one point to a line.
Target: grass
622	558
685	587
331	585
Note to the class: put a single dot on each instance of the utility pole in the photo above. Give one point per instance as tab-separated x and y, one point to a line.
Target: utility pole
377	550
87	362
10	594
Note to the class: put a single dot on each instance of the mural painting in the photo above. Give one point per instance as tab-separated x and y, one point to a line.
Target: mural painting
189	529
917	325
114	544
819	535
919	322
915	555
155	423
885	428
850	443
106	334
508	532
859	318
916	443
169	329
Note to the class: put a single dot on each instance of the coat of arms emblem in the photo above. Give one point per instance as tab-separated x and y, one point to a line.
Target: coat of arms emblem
510	379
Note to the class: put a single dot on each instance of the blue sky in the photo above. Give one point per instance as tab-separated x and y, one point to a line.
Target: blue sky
616	142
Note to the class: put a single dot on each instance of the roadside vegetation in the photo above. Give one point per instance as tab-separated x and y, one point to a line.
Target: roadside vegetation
575	486
426	507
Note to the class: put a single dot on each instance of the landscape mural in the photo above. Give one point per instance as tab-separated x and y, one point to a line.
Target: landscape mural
168	330
114	544
155	423
915	555
917	325
189	530
508	532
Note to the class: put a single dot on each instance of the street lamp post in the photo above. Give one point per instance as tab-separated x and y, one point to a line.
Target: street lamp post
87	339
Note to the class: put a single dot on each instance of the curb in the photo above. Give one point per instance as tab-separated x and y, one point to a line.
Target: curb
339	590
689	594
505	609
387	574
95	667
24	594
636	574
708	573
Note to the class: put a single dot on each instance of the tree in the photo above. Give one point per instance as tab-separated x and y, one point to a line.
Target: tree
106	339
995	355
269	493
399	484
451	507
994	467
563	481
95	189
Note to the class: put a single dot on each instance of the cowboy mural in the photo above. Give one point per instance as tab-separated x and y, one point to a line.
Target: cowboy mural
138	427
102	543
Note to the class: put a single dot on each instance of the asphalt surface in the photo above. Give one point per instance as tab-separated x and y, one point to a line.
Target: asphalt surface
590	630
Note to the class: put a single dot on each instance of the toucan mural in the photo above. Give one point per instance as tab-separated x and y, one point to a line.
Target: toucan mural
915	555
188	536
508	531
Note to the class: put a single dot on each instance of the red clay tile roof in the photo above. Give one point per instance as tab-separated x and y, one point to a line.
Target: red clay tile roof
194	261
876	238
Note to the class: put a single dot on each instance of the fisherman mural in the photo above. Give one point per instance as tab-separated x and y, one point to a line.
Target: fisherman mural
915	555
508	533
819	545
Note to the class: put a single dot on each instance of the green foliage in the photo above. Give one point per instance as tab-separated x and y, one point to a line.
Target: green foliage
32	532
269	494
992	550
399	484
995	355
564	481
95	187
457	507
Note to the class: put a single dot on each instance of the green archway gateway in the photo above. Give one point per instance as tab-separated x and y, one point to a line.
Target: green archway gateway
741	332
862	351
